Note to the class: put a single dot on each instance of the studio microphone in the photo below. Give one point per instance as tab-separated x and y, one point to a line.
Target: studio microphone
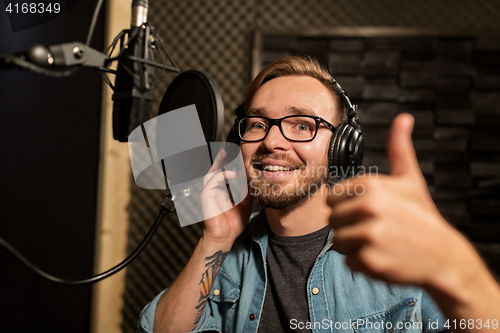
133	92
134	88
182	143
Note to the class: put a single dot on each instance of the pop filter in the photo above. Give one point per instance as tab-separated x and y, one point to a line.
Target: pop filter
192	159
182	142
198	88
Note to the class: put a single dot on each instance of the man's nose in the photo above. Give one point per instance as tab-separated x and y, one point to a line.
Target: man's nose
275	140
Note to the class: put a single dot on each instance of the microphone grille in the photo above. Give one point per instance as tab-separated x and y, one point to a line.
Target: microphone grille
128	114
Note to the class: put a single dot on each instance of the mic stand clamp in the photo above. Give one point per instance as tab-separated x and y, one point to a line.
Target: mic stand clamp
76	53
49	60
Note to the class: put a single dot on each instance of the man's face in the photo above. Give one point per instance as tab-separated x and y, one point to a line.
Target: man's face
280	172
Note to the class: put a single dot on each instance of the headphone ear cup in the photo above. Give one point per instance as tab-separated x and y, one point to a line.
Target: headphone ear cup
233	135
333	153
343	150
346	152
357	147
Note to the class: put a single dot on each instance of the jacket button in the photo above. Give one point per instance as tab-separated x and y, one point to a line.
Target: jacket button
315	290
216	292
252	317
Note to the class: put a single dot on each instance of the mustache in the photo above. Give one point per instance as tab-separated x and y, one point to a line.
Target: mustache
277	156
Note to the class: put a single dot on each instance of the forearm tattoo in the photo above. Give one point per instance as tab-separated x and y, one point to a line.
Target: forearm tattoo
207	279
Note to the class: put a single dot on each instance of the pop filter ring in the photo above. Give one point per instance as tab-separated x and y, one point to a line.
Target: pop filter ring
198	88
212	133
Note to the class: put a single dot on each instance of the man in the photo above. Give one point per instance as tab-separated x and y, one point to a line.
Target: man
288	270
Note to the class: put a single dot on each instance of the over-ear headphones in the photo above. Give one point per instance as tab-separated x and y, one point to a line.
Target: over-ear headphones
347	146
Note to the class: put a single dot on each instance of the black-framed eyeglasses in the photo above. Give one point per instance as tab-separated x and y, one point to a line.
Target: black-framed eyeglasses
296	128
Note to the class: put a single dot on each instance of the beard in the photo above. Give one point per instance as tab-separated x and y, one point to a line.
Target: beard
282	194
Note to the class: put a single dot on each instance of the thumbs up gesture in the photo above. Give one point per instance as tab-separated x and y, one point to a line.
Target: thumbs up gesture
390	228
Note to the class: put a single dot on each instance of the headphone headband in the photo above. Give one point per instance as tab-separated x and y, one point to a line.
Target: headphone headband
351	110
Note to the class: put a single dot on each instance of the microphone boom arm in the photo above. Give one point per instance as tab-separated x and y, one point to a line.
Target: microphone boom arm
51	60
77	54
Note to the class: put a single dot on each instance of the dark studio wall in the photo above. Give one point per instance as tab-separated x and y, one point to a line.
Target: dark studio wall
49	130
218	36
450	84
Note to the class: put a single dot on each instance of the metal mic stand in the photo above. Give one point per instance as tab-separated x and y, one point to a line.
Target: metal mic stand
64	60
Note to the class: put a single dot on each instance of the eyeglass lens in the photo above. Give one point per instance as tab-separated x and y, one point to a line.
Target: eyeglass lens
293	128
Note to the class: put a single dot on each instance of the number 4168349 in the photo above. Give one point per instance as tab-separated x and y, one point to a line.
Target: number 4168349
471	324
33	8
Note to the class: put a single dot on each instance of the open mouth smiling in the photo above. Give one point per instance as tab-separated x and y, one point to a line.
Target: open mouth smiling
274	168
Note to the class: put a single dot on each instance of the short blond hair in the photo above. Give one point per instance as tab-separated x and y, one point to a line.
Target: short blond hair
294	66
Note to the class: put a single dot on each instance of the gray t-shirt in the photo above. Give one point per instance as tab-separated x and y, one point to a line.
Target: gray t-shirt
289	262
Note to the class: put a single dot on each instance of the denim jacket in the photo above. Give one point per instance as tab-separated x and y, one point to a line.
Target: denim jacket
339	300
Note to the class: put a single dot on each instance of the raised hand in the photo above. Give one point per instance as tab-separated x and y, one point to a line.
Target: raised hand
181	307
393	231
224	221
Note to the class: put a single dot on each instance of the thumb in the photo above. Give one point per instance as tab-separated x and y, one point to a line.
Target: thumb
400	149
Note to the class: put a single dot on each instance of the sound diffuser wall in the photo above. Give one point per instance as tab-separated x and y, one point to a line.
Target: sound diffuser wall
455	137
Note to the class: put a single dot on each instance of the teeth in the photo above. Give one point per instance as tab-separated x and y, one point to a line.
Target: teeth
276	168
